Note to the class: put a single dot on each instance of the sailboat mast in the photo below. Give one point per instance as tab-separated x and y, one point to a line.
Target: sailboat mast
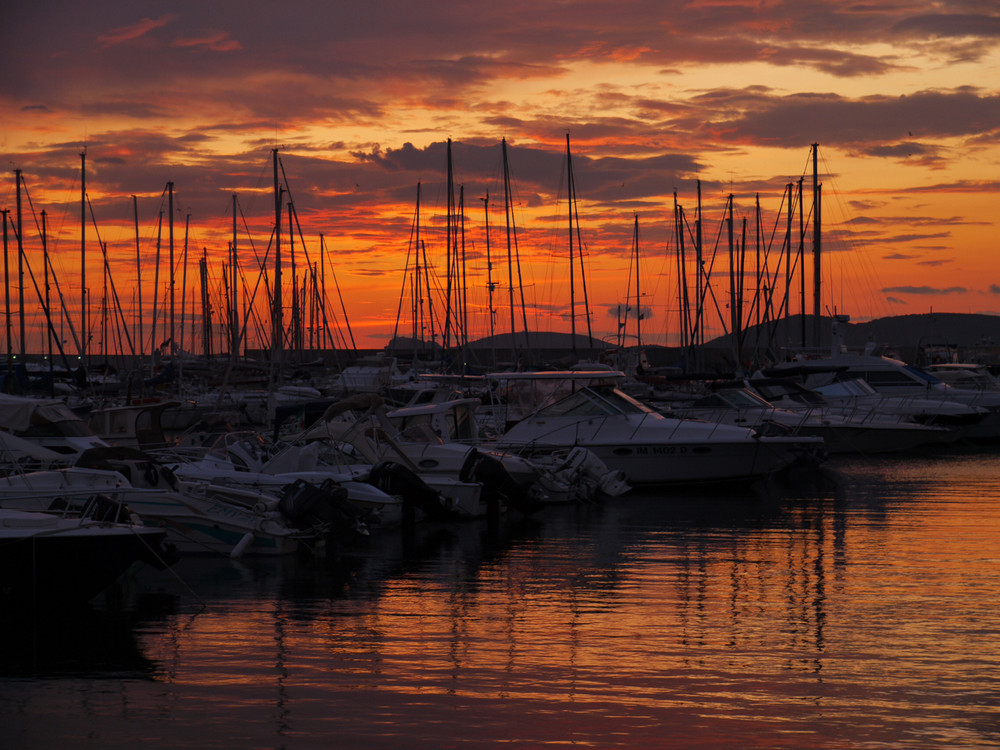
206	314
638	295
418	299
490	286
184	273
84	335
6	296
734	313
682	282
570	195
322	292
449	256
463	293
234	329
48	307
276	321
171	280
510	257
802	260
138	271
788	253
20	261
296	301
817	245
156	286
430	299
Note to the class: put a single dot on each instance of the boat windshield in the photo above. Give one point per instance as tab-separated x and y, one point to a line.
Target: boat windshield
744	399
588	402
965	376
851	387
789	392
916	372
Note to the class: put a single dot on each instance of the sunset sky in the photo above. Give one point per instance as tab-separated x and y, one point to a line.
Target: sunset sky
361	98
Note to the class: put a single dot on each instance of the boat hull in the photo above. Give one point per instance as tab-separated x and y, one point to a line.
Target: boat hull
49	563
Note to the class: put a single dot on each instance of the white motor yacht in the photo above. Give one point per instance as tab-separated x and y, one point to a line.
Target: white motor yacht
648	447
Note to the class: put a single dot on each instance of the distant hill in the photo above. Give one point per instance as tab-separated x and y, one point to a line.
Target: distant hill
960	329
501	342
975	336
540	340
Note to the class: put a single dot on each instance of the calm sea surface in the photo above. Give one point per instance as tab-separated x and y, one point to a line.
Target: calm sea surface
854	607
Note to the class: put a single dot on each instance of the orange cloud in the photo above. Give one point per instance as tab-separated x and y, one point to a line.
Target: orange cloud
219	41
134	31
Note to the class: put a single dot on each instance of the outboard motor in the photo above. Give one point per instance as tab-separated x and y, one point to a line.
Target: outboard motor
498	485
305	505
396	479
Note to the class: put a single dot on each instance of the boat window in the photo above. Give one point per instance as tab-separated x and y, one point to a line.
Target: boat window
56	420
921	375
406	424
623	402
420	433
774	392
588	402
744	399
966	377
714	401
68	428
887	378
583	403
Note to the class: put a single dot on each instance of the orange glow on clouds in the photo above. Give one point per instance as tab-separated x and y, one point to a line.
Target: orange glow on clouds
360	108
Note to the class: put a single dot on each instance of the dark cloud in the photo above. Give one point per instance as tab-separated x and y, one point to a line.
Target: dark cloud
866	123
954	25
924	290
623	312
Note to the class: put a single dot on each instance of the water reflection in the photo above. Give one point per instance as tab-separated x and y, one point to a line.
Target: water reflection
849	607
84	641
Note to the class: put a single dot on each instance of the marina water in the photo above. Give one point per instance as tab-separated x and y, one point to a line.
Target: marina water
853	607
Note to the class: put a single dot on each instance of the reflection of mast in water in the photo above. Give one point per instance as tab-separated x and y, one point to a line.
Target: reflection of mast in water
773	580
280	663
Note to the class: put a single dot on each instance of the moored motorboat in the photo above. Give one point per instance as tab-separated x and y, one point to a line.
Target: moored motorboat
51	560
648	447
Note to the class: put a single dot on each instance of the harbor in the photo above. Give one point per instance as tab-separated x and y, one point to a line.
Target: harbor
460	377
532	538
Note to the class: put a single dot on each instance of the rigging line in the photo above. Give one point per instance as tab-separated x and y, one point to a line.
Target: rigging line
764	273
118	307
55	278
706	286
406	269
48	317
575	208
333	271
114	289
253	295
781	256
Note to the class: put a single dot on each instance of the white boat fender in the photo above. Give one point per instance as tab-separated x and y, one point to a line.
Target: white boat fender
241	546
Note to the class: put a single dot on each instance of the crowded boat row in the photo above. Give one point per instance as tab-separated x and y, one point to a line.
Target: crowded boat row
100	490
